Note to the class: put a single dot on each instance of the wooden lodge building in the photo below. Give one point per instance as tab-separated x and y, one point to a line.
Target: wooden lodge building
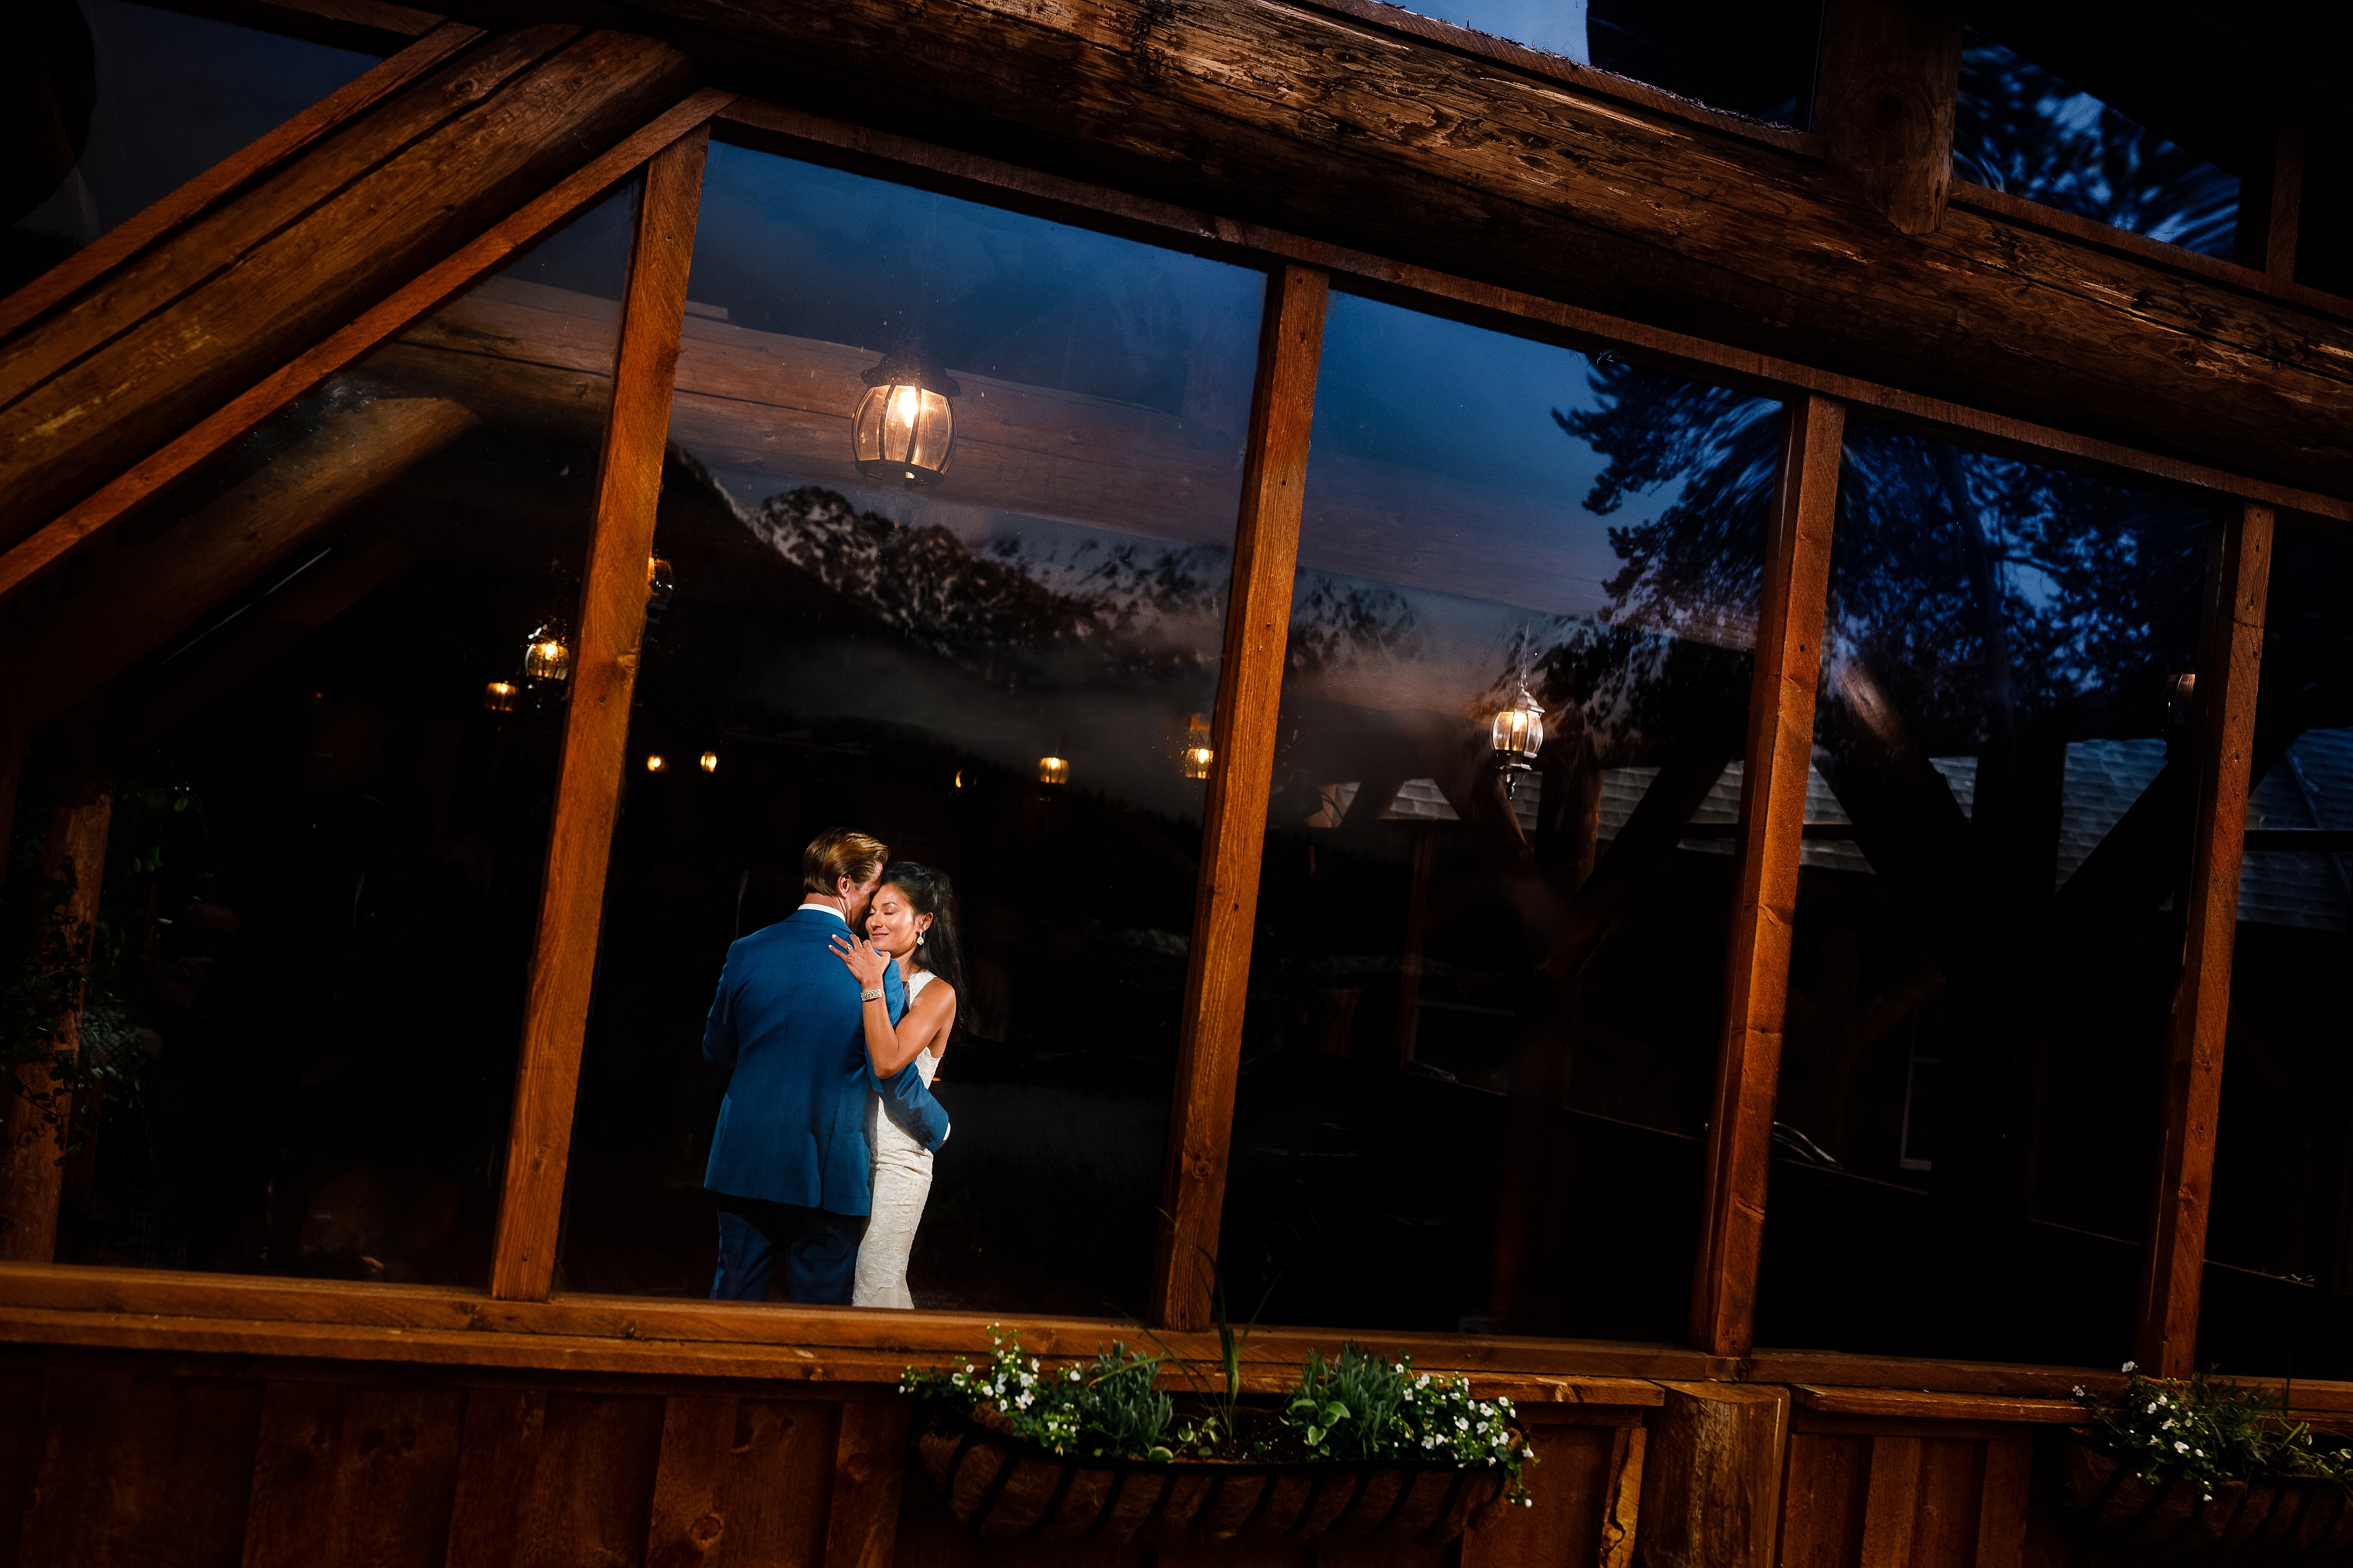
1898	457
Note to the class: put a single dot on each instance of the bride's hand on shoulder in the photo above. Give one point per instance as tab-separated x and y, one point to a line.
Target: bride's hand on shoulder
866	961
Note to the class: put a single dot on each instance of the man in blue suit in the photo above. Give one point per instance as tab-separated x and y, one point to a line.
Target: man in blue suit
791	1162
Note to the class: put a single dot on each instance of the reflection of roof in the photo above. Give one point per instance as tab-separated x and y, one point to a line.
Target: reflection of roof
2311	787
1420	800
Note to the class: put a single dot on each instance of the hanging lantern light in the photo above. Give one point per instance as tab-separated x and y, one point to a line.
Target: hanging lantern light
546	654
499	696
1518	736
709	761
904	430
1053	771
1197	754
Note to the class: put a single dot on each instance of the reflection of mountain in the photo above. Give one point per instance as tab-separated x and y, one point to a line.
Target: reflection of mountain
1081	606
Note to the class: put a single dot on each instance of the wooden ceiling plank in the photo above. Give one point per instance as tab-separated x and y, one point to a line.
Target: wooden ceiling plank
135	233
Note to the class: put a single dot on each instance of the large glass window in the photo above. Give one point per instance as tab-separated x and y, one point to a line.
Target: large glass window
1982	972
332	795
994	663
127	102
2018	128
1757	60
1481	994
2275	1301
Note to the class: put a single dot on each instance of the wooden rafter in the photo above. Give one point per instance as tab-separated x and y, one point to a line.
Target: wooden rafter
1772	812
2173	1260
1233	822
596	723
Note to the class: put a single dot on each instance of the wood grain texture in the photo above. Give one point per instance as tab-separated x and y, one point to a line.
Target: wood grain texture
1920	1405
596	723
1825	1491
410	204
2002	1504
688	1529
591	1496
1892	1502
1582	326
1884	97
36	555
498	1454
1233	829
1711	1474
1772	809
135	233
350	1472
39	1106
2270	199
131	1470
1394	146
2173	1260
869	1468
140	598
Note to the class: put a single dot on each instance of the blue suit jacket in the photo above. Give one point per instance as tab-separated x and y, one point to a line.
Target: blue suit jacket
787	1018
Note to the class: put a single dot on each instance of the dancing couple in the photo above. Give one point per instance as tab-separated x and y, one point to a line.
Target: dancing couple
822	1157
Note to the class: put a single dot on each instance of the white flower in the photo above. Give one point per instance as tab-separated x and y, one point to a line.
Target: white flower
1527	1452
1461	1424
2182	1448
2198	1452
2079	1391
2131	1366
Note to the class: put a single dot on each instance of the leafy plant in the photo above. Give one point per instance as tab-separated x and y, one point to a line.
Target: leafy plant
1122	1412
1352	1406
2206	1429
1222	1423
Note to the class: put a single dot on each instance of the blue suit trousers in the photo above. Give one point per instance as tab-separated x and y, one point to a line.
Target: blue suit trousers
819	1250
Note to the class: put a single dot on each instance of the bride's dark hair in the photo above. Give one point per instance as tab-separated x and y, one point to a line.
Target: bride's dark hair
929	893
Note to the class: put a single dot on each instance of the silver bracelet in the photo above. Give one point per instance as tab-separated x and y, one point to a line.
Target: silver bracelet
872	994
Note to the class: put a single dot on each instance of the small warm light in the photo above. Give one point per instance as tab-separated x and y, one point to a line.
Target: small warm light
499	696
904	430
709	761
1197	756
959	779
547	655
1518	736
656	763
1053	771
661	583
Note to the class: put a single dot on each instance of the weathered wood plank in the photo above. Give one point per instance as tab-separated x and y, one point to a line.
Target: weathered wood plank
1712	1477
76	427
36	1107
1233	823
688	1529
1772	810
2003	1499
1883	97
870	1465
591	1496
353	1473
142	596
1270	112
596	724
1921	1405
141	1471
2270	199
37	554
2173	1261
498	1455
1822	1500
777	1489
135	233
1891	1503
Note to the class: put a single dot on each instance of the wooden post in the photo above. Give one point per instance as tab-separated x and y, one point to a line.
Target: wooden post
32	1175
1233	818
1712	1477
2165	1339
1891	71
596	724
2270	199
1772	818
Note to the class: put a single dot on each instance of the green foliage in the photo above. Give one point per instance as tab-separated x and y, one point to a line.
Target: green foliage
2207	1430
1110	1409
1351	1407
1121	1411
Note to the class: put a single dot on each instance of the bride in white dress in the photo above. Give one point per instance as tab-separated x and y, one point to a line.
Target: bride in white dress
911	923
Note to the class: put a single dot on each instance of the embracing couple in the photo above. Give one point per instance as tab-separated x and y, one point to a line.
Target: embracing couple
834	1019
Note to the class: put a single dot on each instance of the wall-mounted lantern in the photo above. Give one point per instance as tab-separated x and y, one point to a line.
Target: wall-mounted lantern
499	696
547	654
1197	754
906	431
708	762
656	763
1518	736
1053	771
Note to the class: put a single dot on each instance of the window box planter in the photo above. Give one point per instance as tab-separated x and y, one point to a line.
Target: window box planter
1005	1490
2271	1516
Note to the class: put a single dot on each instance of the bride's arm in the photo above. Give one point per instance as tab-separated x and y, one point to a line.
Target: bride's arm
888	1048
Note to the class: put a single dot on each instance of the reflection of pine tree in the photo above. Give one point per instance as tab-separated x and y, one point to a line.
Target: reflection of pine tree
2021	129
1018	612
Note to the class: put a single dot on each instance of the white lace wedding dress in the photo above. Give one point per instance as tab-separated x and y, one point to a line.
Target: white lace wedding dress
902	1181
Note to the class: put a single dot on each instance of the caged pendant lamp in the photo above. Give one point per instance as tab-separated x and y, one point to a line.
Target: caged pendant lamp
904	431
1517	736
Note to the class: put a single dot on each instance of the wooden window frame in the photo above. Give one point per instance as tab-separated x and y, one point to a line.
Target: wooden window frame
459	1324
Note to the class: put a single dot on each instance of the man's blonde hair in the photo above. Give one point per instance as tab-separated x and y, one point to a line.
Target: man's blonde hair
837	853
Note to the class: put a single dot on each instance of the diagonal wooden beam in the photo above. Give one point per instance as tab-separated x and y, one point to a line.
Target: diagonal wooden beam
43	549
1772	814
1233	818
596	724
2173	1261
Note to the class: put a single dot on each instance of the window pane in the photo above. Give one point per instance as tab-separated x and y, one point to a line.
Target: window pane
143	100
2017	128
1752	59
324	872
2275	1286
1988	937
993	675
1472	1005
